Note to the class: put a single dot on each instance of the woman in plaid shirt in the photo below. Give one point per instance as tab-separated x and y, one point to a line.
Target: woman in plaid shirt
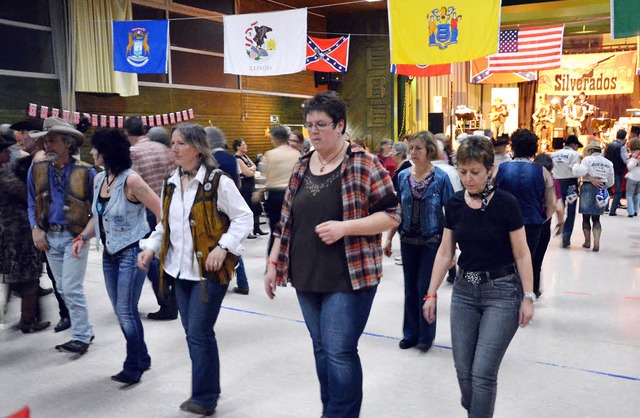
328	245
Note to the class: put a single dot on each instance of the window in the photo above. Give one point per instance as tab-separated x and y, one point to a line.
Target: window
35	12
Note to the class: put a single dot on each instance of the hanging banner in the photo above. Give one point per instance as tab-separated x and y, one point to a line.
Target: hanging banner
528	49
421	70
430	32
480	74
594	74
624	18
140	46
260	44
328	55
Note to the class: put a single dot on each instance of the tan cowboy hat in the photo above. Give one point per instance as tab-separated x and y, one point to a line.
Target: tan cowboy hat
569	99
592	146
58	126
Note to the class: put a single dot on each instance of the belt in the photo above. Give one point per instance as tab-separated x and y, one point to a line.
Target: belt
480	277
56	228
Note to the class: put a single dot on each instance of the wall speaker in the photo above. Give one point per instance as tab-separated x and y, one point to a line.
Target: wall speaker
557	143
436	122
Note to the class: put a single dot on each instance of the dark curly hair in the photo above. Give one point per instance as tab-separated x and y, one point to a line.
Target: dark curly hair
114	146
330	103
524	143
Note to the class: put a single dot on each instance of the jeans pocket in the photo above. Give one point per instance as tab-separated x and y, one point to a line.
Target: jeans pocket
507	284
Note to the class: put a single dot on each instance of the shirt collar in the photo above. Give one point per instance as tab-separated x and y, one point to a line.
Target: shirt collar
175	177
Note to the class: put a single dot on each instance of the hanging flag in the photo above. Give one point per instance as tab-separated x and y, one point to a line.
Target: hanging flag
528	49
55	112
94	120
429	33
625	20
637	57
480	74
120	121
140	46
151	121
165	119
33	109
421	70
172	117
185	116
112	121
178	117
260	44
76	117
191	115
144	120
65	115
44	112
158	120
103	121
328	55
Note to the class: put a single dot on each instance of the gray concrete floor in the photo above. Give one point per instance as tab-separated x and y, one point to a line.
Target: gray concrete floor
580	358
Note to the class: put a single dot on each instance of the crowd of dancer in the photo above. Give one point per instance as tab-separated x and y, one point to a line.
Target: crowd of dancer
176	209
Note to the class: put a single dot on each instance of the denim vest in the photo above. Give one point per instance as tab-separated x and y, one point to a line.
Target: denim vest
433	201
124	222
525	181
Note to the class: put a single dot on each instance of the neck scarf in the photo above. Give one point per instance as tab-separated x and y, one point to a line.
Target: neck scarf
484	195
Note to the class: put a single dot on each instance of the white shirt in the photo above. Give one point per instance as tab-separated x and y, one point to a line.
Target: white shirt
454	177
596	166
563	160
180	260
634	169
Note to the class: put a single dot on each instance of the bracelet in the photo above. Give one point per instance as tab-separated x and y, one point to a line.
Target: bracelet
79	238
427	297
270	261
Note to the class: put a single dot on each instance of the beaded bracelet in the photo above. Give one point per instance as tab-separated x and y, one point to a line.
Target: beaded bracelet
427	297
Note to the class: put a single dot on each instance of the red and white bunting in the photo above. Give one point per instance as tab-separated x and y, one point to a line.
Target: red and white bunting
44	112
120	121
55	113
33	110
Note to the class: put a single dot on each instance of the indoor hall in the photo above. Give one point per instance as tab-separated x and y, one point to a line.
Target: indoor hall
580	357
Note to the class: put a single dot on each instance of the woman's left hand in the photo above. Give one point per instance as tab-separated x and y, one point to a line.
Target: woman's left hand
215	259
526	312
330	231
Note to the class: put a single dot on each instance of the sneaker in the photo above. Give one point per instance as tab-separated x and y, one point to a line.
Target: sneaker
73	346
398	261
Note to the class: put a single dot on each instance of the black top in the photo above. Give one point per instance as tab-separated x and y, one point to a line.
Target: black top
483	236
314	265
247	184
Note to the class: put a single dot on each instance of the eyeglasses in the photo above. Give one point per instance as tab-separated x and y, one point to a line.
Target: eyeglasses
320	125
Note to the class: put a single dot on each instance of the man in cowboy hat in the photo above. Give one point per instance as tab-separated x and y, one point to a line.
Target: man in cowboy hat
60	192
572	115
563	160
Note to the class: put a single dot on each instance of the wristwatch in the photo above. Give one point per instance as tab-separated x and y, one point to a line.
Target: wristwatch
529	295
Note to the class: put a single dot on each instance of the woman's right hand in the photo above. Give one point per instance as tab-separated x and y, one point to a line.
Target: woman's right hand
387	249
429	310
270	281
77	247
144	258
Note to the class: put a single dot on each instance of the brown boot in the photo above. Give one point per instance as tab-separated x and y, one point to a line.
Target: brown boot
587	238
596	238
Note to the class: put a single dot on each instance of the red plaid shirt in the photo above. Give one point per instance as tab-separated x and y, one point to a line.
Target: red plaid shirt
153	161
366	185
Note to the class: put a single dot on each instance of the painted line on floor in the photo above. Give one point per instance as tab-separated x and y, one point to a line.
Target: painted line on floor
577	293
632	297
372	334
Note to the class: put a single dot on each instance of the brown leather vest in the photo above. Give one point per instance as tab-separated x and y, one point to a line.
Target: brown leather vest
77	199
207	226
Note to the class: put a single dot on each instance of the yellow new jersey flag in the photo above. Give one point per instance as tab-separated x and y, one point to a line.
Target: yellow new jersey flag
428	32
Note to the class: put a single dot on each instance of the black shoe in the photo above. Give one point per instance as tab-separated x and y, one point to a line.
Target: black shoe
404	344
44	292
538	294
34	326
164	314
259	231
65	323
74	346
122	377
424	347
251	236
612	214
240	291
189	406
630	216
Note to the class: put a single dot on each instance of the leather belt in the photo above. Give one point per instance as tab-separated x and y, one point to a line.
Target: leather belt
56	228
481	277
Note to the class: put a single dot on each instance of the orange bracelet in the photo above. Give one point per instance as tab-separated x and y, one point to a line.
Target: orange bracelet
427	297
270	261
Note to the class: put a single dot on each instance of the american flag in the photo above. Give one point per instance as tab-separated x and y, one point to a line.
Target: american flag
528	49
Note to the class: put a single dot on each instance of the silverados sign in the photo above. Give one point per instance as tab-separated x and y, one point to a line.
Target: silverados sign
565	82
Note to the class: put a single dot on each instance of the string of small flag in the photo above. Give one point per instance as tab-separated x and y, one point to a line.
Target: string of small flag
110	121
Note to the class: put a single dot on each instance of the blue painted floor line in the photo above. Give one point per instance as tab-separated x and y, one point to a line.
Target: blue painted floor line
371	334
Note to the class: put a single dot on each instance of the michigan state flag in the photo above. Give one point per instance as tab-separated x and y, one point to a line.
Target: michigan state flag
140	46
625	18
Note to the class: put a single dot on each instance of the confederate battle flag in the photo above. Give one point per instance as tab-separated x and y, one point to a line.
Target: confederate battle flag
328	55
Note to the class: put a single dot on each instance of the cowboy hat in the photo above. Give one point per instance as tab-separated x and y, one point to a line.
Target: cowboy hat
592	146
28	125
58	126
573	140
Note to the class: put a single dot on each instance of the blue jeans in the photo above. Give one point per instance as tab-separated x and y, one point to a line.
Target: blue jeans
335	322
124	281
417	263
199	313
484	319
633	196
69	273
617	194
567	229
153	272
241	275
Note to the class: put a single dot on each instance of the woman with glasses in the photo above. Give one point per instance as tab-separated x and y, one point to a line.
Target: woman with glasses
493	291
337	203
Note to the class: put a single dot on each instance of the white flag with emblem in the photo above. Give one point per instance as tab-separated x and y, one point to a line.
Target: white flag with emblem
261	44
